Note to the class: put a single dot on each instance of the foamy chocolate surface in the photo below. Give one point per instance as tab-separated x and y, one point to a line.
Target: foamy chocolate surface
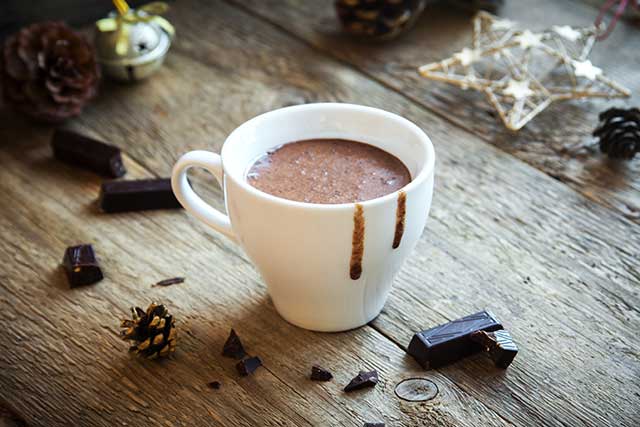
328	171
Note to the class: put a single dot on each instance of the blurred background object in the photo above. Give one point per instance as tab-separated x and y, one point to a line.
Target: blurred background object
132	43
49	71
15	14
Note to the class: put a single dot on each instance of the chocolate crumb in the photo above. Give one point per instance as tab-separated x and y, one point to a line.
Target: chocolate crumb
320	374
233	347
169	282
363	380
248	366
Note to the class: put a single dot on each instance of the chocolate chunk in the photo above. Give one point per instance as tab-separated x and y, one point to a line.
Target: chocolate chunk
373	424
138	195
81	266
363	380
447	343
87	153
320	374
248	366
499	345
214	385
169	282
233	347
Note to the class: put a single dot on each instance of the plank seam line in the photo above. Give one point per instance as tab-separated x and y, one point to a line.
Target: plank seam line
418	103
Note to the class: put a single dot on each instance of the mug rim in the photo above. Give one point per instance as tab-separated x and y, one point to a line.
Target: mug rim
423	174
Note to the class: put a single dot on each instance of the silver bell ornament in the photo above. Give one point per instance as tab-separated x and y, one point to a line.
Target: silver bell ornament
131	44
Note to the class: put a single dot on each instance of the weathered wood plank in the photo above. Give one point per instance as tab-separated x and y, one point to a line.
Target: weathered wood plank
63	364
553	142
514	207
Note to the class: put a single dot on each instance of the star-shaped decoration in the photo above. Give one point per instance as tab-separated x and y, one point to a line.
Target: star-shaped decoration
522	72
586	69
567	32
466	56
527	39
518	89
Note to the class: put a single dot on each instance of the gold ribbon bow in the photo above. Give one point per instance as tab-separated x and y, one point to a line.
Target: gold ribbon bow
126	16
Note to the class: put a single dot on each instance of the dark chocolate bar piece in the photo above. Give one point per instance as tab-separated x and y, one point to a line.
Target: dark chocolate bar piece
363	380
452	341
137	195
320	374
87	153
248	366
233	347
499	344
81	266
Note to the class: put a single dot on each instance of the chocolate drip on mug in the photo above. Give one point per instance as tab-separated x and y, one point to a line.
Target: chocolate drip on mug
357	243
401	212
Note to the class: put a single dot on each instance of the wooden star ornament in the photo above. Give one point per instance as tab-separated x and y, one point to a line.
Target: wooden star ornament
522	72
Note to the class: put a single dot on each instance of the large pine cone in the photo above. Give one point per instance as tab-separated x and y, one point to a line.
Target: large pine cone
48	71
153	331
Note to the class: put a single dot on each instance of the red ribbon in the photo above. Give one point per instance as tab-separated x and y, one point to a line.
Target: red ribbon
622	5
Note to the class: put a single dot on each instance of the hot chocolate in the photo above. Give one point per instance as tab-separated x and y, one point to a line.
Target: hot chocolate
328	171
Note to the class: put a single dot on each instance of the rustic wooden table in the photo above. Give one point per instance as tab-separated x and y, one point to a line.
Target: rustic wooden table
529	225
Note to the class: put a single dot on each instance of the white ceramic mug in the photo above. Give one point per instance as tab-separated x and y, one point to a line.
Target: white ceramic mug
327	267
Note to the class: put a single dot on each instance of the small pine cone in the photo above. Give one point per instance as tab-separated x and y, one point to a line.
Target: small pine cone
378	19
48	71
619	132
153	331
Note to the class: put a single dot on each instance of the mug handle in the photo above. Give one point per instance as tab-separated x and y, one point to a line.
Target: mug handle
192	203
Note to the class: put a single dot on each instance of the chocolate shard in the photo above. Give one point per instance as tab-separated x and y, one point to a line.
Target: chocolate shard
137	195
363	380
320	374
81	265
233	347
451	341
214	385
373	424
87	153
499	344
169	282
248	366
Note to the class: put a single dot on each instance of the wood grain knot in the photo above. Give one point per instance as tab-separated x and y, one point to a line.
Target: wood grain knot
357	243
401	212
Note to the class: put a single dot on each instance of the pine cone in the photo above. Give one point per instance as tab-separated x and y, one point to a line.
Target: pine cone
619	132
379	19
153	331
48	71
